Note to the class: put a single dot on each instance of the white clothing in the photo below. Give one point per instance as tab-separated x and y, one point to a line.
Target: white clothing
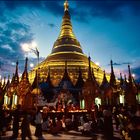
86	126
38	118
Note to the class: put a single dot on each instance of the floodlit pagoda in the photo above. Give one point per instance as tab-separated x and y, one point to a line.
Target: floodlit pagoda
66	48
67	77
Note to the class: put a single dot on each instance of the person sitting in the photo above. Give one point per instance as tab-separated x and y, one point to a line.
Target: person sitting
86	127
56	126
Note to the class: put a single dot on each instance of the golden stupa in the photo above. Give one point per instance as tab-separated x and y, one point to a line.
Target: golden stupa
66	48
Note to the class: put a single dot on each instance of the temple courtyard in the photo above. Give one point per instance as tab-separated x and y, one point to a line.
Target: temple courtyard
69	135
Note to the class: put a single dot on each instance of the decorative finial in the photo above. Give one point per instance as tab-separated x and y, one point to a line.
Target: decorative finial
17	62
66	5
26	62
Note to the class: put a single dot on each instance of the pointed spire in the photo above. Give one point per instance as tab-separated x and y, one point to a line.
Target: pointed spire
80	81
111	62
16	72
25	73
4	83
48	77
66	80
104	83
125	79
104	78
121	80
8	79
13	78
66	67
130	76
26	62
48	80
89	69
66	75
34	84
66	27
80	73
8	83
112	77
66	5
66	39
16	78
93	74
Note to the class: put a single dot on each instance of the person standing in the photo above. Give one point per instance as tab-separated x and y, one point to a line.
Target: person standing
16	119
38	122
108	126
25	127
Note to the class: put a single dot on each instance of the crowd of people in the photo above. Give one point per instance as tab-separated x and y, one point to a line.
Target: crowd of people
104	119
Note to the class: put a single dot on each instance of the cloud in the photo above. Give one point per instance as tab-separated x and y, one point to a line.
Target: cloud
111	9
12	34
7	47
120	64
114	10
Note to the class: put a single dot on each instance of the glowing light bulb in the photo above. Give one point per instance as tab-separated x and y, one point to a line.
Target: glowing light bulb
31	65
133	75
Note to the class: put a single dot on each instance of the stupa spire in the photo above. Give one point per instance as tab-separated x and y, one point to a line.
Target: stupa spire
93	74
25	73
89	69
80	80
48	80
66	5
130	76
66	41
16	78
105	83
112	77
4	83
48	77
34	84
125	79
13	78
66	75
121	79
104	78
66	27
8	82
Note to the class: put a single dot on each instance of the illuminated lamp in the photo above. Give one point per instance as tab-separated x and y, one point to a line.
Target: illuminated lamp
121	99
98	101
82	104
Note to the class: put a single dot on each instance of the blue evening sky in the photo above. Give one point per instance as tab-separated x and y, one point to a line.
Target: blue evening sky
106	29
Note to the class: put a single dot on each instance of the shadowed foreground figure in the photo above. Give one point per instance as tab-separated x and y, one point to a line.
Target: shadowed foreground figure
16	119
108	126
25	127
38	122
